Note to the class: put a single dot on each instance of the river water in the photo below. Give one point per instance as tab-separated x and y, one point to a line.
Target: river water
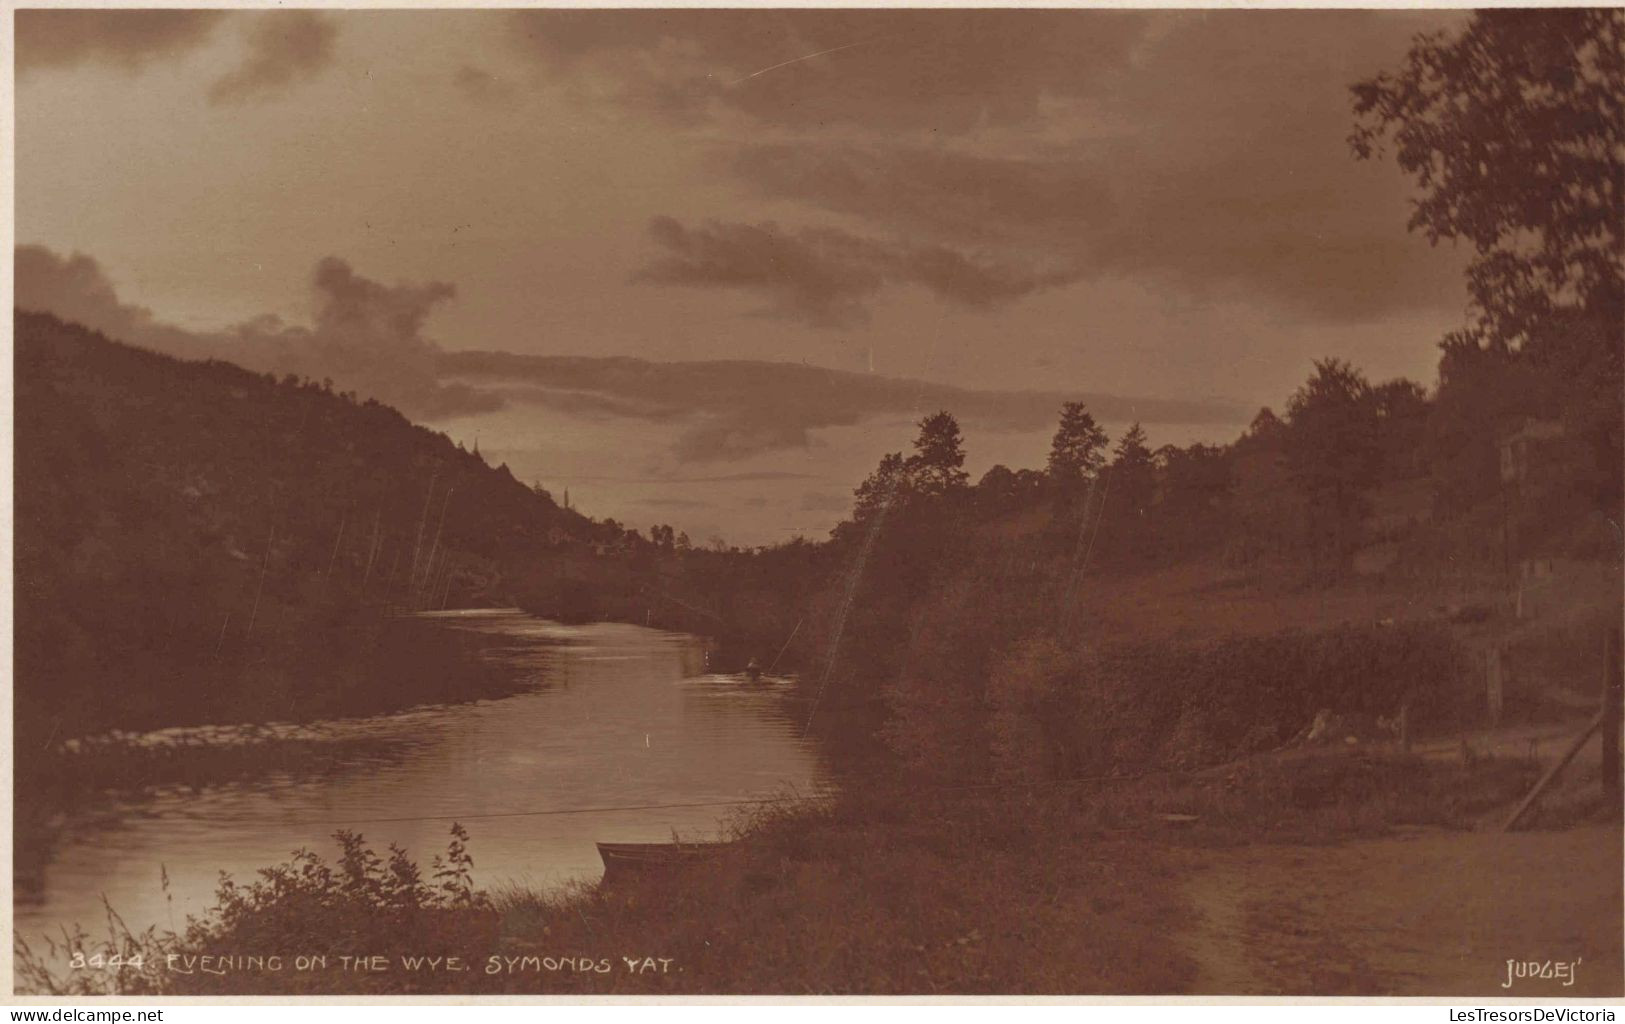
612	716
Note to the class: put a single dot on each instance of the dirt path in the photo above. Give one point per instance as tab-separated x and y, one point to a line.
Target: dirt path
1429	913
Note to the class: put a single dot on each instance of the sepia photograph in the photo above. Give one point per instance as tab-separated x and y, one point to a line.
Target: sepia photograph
786	501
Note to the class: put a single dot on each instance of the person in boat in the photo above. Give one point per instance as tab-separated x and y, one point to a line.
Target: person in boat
753	671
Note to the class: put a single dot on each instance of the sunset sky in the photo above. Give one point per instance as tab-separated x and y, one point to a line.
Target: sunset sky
705	267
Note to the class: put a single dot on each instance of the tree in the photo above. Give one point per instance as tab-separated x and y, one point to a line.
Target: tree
1333	453
1078	449
1265	426
996	491
1514	129
937	465
1133	475
1402	410
1482	393
881	488
1195	484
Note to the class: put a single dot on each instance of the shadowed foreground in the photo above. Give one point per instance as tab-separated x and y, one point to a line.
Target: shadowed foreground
1348	873
1419	914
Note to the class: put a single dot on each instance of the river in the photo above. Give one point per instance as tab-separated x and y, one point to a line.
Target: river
612	716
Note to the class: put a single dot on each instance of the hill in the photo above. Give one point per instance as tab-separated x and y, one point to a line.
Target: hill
178	524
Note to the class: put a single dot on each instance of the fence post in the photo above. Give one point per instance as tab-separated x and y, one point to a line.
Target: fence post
1494	685
1611	684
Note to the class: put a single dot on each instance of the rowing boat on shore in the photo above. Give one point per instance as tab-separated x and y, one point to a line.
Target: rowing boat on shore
625	860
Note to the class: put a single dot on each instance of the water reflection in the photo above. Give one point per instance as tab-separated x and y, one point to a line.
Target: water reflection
627	716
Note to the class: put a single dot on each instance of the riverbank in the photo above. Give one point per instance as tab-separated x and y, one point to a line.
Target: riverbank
615	715
270	710
1099	889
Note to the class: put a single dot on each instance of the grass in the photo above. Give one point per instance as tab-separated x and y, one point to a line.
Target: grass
887	890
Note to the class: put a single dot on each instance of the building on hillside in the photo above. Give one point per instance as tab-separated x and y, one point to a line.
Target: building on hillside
1523	448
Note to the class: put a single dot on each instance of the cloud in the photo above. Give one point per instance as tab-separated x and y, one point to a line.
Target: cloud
128	39
723	411
284	47
370	337
998	152
749	432
938	193
899	70
1252	222
367	336
823	276
819	276
75	288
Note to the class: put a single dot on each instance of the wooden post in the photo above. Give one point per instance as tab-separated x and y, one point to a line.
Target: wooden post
1611	683
1494	685
1551	773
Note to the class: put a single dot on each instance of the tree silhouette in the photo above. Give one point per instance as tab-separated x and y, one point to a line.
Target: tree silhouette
1078	450
1333	453
880	488
1515	131
937	465
1133	475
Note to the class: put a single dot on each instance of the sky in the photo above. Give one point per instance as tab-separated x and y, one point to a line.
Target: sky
705	267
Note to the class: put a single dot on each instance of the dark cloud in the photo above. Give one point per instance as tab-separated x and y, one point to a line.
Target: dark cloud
284	47
367	336
1053	202
747	432
1249	222
822	276
1202	152
944	70
124	38
819	276
729	410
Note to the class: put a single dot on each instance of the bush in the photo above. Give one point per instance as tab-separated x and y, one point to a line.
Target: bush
1046	708
364	903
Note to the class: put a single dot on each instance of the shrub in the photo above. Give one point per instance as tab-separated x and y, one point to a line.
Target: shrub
306	906
1049	708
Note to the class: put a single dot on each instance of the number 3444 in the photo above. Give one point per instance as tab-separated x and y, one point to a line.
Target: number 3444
104	962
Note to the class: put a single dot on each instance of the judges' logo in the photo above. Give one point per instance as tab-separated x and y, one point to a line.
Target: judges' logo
1542	970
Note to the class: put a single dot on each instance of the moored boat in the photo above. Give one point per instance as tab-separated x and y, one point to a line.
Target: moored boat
624	860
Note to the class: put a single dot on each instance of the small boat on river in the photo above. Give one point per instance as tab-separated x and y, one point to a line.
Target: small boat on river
627	860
